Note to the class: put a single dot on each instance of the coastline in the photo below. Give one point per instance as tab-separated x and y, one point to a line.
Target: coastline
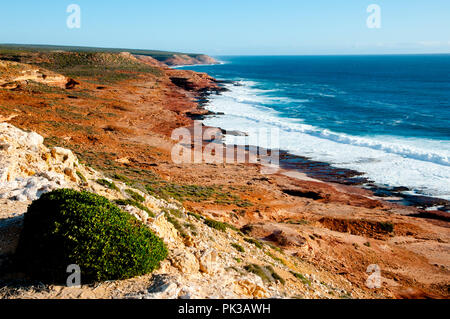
427	205
123	130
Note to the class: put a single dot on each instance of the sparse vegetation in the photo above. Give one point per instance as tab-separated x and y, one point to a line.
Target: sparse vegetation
216	224
135	196
303	279
267	273
276	248
121	178
108	184
192	227
238	247
174	221
81	176
197	216
275	258
297	222
194	193
105	68
254	241
176	212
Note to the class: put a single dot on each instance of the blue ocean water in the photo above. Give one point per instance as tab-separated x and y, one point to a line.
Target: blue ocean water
386	116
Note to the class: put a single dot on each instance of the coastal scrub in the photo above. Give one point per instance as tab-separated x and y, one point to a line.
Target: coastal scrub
67	227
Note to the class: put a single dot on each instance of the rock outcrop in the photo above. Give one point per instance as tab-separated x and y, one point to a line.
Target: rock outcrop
184	59
14	73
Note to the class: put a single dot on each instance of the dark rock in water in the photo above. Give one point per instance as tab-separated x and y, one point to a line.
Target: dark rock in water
400	189
199	115
320	170
381	193
425	202
234	133
225	82
418	201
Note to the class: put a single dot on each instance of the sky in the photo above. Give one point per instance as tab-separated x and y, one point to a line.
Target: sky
234	27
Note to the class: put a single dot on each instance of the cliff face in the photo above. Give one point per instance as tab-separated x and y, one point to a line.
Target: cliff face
183	59
13	73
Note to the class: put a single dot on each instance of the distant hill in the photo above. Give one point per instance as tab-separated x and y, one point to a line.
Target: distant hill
167	57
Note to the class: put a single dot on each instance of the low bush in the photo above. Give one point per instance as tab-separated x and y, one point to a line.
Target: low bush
67	227
108	184
267	273
254	241
238	247
135	195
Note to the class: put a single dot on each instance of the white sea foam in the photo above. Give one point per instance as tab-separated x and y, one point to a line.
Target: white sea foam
421	164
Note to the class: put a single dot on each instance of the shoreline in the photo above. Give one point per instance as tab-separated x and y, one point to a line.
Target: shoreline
435	207
123	131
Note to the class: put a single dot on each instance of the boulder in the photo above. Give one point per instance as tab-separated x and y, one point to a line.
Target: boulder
208	261
184	261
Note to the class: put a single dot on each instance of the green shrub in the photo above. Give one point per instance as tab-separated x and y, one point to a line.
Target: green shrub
238	247
196	216
303	279
267	273
81	176
222	226
176	212
275	275
275	258
135	196
216	224
121	178
67	227
107	184
255	242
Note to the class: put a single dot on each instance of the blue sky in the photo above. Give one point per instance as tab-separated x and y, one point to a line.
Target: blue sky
234	26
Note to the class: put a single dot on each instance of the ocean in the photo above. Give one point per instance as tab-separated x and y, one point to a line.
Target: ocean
385	116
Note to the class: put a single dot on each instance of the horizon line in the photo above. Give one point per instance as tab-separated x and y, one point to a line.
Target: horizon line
199	53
